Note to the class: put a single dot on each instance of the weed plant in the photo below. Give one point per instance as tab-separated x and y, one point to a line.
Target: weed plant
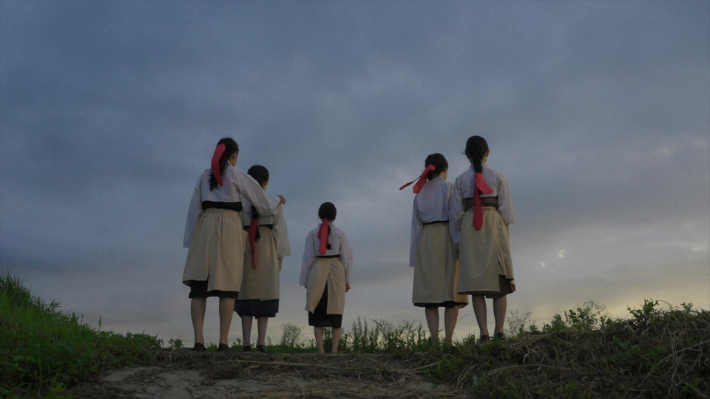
656	352
44	350
582	353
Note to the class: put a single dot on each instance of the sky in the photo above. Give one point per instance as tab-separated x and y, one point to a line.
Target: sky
597	113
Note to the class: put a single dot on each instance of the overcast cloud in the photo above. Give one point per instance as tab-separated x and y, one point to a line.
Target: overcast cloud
598	113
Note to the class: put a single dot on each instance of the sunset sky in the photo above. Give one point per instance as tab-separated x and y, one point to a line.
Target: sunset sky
598	114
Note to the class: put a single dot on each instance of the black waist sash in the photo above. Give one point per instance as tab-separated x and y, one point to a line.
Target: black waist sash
328	256
230	206
269	226
485	201
437	221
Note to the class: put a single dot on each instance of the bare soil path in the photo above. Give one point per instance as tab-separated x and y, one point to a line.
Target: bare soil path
186	375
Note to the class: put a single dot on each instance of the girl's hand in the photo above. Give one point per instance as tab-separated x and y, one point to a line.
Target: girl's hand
347	287
282	199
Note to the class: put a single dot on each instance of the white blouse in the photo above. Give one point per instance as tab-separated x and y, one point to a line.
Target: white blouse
431	204
277	219
339	246
463	189
235	185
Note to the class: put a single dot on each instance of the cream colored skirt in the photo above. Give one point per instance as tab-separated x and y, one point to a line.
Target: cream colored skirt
436	269
328	272
484	255
263	282
216	252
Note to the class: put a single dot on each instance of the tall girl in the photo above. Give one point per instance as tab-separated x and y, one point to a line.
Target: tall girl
483	209
325	272
432	253
267	245
214	234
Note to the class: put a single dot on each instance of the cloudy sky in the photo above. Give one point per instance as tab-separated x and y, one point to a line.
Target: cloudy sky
598	113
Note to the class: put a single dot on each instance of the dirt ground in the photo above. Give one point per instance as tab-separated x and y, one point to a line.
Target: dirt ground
186	375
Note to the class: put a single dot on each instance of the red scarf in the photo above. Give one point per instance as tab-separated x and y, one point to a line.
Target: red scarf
422	180
215	162
479	186
323	236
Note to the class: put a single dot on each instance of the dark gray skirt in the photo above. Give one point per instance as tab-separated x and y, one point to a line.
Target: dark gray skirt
257	307
320	317
506	287
198	289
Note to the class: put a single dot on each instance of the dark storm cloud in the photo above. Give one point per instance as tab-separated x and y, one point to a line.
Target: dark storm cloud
595	112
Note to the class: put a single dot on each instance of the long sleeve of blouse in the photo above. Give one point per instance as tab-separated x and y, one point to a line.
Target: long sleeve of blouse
339	245
251	190
416	229
283	245
309	255
193	215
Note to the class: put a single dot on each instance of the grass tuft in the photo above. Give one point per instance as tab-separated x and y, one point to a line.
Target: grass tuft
44	350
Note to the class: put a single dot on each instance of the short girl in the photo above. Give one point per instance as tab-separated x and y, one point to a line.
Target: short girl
215	237
483	209
325	272
267	237
432	253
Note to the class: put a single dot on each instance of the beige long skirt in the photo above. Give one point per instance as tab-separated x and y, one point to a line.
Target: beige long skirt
216	252
328	272
436	269
484	256
263	282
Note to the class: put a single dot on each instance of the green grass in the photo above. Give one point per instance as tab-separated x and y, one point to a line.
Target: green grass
44	350
657	351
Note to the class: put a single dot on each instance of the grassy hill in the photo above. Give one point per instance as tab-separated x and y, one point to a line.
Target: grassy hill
656	352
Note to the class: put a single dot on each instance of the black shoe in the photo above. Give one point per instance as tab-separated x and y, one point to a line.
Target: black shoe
261	348
485	338
198	347
500	336
223	348
246	348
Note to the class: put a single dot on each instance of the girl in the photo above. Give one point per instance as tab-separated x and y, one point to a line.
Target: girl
482	211
215	237
432	253
267	238
325	272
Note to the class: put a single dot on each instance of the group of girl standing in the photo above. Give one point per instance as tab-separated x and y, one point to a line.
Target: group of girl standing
237	238
460	243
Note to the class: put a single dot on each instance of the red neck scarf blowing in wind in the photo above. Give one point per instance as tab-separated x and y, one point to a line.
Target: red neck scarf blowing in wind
215	163
323	236
422	180
479	186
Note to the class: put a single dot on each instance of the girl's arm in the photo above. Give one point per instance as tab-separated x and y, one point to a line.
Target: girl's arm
416	229
453	230
253	192
309	254
505	202
346	256
456	211
283	245
193	214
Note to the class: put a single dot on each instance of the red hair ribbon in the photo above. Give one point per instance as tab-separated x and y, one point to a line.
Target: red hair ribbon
253	229
323	236
479	186
422	180
215	162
